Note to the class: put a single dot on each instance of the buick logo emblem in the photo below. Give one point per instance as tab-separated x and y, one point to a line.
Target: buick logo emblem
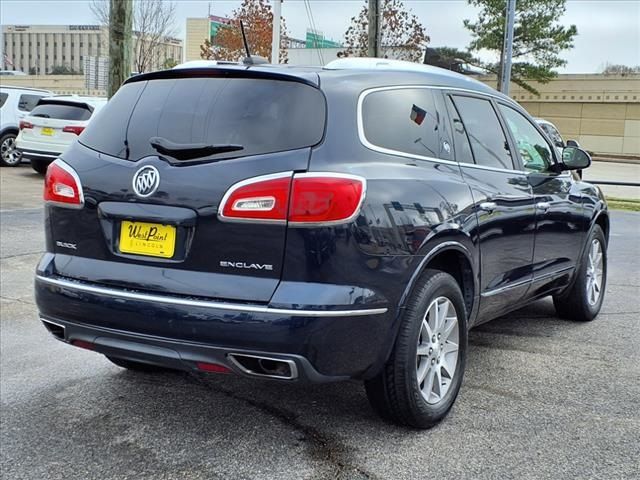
146	181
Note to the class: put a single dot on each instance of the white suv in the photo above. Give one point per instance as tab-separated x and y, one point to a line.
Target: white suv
53	125
15	103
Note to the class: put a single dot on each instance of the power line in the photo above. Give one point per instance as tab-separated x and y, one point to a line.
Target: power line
312	23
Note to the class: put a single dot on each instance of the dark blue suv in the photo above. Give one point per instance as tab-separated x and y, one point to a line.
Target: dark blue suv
314	224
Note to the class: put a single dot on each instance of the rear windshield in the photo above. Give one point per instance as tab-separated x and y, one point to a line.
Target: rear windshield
261	115
62	111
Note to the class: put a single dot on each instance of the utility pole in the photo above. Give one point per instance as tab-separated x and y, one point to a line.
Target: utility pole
373	38
120	24
507	49
275	41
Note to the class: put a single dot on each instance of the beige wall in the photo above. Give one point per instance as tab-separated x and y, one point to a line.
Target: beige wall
601	112
60	84
197	32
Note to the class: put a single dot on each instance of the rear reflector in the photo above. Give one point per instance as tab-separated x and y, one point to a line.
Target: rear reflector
212	367
83	344
24	124
62	186
73	129
303	199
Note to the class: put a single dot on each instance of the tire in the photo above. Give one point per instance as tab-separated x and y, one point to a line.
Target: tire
135	366
395	393
9	155
40	166
578	303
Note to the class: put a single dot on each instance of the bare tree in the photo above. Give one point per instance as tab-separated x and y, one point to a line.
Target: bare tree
153	23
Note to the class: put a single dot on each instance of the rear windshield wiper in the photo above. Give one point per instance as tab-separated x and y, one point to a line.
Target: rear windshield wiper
188	151
42	115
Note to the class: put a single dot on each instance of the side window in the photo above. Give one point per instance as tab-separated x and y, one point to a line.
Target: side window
460	138
28	102
534	149
488	142
3	98
407	120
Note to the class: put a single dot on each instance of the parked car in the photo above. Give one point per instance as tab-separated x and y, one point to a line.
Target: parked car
15	103
554	135
53	125
314	224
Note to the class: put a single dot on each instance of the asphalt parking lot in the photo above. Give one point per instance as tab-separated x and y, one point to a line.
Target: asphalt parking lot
542	397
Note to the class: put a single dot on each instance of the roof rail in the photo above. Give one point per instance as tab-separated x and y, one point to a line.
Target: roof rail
369	63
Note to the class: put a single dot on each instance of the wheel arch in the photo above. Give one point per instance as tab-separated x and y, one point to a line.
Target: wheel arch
10	129
451	256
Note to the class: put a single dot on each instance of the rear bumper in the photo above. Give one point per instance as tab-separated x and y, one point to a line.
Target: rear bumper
178	332
28	154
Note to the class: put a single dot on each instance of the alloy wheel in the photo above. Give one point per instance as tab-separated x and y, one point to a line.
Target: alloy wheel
594	272
10	155
437	353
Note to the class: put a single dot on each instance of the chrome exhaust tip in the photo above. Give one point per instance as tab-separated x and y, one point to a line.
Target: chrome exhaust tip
54	328
264	367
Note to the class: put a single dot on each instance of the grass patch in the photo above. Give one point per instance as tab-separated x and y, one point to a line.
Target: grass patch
624	204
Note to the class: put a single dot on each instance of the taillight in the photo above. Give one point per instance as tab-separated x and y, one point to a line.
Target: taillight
62	186
304	199
325	198
77	129
24	124
262	199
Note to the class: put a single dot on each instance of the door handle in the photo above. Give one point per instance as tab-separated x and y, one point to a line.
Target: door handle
544	206
488	206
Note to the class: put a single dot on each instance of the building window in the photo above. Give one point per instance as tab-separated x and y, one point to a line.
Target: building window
38	44
81	44
64	44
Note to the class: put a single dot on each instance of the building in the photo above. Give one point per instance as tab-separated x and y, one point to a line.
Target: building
601	112
37	49
206	28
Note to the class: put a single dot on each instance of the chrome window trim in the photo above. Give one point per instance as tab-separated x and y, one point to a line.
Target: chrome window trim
185	302
388	151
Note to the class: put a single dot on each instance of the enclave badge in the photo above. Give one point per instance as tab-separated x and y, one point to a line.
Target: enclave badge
146	181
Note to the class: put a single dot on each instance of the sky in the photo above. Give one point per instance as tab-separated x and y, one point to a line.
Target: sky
608	30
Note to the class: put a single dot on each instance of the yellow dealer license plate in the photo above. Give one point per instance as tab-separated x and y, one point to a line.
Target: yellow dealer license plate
47	131
150	239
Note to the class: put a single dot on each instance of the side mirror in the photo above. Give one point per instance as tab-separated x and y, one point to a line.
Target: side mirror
574	158
573	143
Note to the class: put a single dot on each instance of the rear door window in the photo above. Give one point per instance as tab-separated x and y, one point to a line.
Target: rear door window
62	111
406	120
27	102
3	98
488	142
261	115
460	138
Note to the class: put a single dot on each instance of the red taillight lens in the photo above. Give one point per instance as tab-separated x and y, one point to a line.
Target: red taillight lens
83	344
62	186
24	124
325	199
73	129
212	367
305	199
262	198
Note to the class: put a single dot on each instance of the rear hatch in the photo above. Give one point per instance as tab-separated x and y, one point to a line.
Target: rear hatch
55	122
173	240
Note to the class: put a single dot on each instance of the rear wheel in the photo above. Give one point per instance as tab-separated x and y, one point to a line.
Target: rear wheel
135	366
9	155
582	302
40	166
422	378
